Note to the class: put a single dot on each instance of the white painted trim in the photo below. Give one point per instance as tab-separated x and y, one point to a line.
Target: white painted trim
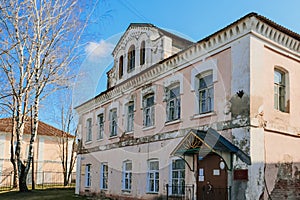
211	64
177	78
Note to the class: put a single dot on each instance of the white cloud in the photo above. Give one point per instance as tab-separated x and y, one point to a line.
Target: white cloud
96	50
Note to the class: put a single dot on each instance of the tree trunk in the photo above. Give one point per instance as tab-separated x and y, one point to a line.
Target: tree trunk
12	153
22	179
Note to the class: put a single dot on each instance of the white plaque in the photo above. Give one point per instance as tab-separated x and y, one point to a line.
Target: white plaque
216	172
201	178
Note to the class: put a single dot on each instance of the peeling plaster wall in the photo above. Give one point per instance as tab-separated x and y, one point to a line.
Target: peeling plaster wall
282	163
256	170
281	129
241	139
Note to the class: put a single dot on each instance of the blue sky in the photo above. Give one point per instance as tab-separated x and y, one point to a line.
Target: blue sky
195	19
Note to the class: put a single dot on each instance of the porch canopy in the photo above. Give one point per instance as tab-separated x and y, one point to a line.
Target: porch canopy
203	142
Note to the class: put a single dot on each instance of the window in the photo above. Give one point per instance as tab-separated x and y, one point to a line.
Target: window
178	177
100	119
142	53
153	176
148	110
89	129
173	104
113	122
130	117
121	67
104	176
131	59
206	93
280	102
127	175
88	175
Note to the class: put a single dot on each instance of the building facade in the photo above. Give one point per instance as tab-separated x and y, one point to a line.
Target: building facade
215	119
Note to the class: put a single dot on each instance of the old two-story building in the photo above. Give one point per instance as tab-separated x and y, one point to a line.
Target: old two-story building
215	119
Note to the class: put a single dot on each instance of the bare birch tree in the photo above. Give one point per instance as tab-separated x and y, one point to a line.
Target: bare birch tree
67	152
38	39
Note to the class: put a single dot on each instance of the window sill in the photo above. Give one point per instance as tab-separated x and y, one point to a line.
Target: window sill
148	128
88	142
198	116
99	140
113	137
173	122
152	193
281	112
126	191
129	133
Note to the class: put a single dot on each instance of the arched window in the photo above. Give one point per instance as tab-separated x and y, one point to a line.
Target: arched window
131	59
142	53
120	66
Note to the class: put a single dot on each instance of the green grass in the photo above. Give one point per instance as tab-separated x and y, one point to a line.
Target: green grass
60	193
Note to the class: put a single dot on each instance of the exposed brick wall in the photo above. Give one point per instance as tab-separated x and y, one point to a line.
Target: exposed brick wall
286	189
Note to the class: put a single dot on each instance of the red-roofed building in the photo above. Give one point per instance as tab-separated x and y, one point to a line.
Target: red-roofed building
47	149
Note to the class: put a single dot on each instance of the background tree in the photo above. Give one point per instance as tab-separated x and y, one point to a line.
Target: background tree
38	41
67	140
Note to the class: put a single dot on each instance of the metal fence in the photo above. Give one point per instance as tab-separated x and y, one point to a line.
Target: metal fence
215	193
180	192
46	179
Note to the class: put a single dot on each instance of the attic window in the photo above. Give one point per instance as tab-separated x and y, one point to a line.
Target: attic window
142	53
131	59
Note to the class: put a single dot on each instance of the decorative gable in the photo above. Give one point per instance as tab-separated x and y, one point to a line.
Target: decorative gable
142	46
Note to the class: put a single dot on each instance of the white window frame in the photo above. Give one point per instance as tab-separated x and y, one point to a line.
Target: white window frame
129	116
281	90
176	107
113	115
153	177
177	189
208	91
89	130
127	176
148	111
104	176
100	126
88	181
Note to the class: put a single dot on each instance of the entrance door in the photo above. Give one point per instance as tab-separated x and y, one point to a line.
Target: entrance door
212	178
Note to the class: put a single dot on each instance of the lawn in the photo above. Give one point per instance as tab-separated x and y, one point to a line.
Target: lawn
64	194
